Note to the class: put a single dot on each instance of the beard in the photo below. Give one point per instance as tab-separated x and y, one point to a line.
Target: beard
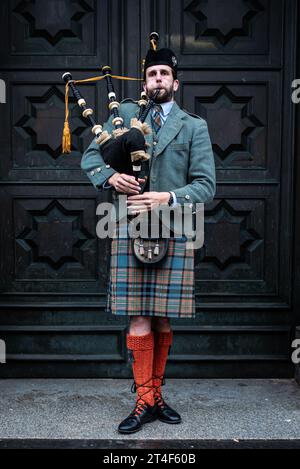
165	95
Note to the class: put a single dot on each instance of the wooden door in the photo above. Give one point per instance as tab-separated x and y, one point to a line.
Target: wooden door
237	60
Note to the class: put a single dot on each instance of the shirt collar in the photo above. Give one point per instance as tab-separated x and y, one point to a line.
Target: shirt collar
166	107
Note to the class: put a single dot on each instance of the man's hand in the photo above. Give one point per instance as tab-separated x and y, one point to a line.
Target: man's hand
125	183
148	201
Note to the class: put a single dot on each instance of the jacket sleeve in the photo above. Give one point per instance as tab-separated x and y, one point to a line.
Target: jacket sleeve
93	164
201	173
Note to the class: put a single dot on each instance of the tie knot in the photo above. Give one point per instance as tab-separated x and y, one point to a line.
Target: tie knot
157	108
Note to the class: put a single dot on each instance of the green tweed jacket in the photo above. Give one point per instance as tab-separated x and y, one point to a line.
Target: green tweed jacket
181	160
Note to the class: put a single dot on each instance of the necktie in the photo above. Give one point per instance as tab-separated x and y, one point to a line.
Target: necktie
156	119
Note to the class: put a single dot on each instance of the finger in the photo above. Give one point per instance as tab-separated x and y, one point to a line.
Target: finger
137	208
129	188
129	191
132	191
137	212
145	195
139	197
132	186
130	180
138	203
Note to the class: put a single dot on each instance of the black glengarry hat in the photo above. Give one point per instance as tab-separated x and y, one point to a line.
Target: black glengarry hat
161	57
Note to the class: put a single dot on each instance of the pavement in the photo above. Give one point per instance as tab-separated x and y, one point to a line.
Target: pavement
85	413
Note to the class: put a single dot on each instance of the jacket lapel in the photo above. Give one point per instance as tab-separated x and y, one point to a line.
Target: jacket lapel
168	132
170	128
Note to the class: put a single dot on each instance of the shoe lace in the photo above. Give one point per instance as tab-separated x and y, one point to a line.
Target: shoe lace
156	393
140	404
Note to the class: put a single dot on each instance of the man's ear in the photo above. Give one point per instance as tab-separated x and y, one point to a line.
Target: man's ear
175	85
144	86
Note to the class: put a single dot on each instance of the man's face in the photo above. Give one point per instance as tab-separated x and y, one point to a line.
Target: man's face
160	76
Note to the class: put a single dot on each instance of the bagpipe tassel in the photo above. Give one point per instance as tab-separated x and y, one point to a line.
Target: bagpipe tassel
66	140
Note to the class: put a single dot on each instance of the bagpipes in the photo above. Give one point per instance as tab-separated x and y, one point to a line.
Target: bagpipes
124	149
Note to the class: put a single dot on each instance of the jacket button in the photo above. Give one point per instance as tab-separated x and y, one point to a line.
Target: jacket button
187	197
92	173
108	166
98	170
154	143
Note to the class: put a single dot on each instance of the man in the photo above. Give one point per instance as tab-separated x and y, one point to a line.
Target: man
181	171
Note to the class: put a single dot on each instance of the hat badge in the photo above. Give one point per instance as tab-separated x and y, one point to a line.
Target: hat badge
174	60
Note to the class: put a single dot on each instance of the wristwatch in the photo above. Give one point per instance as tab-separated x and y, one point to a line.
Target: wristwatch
171	200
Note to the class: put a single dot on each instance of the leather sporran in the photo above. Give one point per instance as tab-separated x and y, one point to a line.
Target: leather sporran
150	250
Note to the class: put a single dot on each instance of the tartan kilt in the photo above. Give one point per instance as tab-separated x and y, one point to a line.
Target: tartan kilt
165	289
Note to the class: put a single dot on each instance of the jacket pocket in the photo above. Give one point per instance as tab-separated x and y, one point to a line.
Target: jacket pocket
179	146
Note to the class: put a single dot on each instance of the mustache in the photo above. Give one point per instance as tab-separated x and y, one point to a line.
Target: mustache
162	97
152	93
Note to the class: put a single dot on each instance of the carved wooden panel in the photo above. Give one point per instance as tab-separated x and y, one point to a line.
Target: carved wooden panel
54	239
66	30
218	32
242	118
38	115
236	60
216	25
56	27
52	246
34	127
237	245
